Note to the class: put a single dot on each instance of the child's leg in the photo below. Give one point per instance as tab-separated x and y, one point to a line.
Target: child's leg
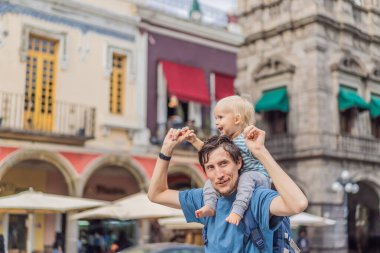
210	197
248	181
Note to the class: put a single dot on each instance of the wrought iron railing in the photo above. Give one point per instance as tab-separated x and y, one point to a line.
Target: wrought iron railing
61	119
285	145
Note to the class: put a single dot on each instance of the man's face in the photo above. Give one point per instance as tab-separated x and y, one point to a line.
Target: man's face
222	171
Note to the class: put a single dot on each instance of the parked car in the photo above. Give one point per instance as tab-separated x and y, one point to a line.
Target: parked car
164	248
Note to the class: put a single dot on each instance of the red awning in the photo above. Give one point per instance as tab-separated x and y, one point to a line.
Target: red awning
224	86
186	83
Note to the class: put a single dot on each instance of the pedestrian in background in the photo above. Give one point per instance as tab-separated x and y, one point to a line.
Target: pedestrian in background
303	242
58	243
2	244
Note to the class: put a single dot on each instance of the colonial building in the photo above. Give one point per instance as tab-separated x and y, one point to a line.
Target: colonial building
84	93
312	69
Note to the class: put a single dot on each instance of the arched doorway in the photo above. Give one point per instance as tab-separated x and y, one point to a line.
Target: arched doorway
111	182
363	219
43	172
182	177
110	179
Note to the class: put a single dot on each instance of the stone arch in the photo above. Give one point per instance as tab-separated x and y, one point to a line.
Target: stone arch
190	171
350	64
125	162
368	177
272	66
68	171
363	215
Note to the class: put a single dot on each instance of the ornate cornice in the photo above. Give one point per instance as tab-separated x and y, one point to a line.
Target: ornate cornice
319	18
56	14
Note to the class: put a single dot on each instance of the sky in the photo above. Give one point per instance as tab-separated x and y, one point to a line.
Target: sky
220	4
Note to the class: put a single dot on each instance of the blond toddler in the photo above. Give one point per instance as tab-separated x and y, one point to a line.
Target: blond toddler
232	115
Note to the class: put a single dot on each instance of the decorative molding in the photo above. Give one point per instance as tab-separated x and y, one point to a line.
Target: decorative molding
316	18
151	19
375	74
263	5
3	34
61	37
54	16
350	65
271	67
131	61
83	47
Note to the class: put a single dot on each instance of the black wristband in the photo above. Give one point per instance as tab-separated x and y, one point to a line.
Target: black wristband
164	157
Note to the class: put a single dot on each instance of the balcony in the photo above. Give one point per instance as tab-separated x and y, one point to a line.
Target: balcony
60	123
281	146
342	146
358	145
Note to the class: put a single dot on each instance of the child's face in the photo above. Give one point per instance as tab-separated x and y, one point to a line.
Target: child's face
226	121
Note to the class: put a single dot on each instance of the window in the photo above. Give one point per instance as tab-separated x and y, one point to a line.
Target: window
274	104
347	119
375	127
183	99
375	115
349	104
276	121
117	85
40	83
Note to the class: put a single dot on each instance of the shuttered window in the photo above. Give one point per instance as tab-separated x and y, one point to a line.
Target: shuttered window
40	84
117	86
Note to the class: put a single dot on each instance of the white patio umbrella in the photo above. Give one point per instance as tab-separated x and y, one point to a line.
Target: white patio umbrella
38	202
307	219
178	223
136	206
31	202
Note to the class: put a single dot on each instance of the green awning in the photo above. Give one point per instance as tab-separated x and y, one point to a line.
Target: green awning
349	98
273	100
374	106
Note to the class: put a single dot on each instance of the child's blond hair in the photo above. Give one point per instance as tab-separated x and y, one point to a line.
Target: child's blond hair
239	106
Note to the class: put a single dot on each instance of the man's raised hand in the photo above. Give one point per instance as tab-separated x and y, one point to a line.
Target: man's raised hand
254	138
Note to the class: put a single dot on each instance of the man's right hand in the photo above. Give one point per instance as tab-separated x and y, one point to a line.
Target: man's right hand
172	138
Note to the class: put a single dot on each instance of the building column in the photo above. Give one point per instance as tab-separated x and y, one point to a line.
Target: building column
5	231
329	238
72	233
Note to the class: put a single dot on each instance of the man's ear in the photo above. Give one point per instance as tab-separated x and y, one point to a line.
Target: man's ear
240	163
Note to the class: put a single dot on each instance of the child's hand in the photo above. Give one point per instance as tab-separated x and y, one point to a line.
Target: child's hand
233	218
189	135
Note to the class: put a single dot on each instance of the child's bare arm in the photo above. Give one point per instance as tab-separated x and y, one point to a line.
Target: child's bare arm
192	138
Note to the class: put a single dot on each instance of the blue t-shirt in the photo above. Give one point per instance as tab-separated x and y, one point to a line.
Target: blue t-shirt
223	236
250	162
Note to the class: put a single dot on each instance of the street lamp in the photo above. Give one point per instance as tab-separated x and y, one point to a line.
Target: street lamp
344	183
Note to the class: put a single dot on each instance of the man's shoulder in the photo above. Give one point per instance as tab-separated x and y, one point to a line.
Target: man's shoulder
263	194
191	195
193	191
191	200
